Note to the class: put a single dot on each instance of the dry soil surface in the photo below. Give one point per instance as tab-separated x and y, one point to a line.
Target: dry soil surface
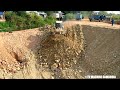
102	52
14	46
95	24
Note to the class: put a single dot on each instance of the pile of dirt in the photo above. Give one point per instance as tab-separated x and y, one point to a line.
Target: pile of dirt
40	54
15	52
61	54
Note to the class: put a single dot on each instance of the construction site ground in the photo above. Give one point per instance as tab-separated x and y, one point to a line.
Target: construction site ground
102	47
95	24
102	51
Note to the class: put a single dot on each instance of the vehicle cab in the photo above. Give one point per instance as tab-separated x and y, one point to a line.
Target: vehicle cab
59	25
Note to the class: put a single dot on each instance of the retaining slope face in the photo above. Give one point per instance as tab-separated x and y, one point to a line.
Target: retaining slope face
42	55
16	58
61	54
102	52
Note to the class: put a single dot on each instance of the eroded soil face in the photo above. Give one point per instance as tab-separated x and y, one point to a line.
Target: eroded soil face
58	55
15	51
37	56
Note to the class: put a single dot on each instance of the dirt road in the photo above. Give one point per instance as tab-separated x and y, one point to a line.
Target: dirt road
95	24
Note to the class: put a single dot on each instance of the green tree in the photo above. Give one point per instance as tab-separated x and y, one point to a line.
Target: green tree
70	16
21	13
86	13
20	20
49	13
103	13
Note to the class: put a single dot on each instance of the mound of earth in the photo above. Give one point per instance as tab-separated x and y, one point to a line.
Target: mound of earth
83	50
40	54
61	54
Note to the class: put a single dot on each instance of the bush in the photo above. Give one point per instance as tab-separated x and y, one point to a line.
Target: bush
21	13
20	23
70	16
37	20
116	17
15	22
21	20
3	25
3	30
50	20
34	21
9	15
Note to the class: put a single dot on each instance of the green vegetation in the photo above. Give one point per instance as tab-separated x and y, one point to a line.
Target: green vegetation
69	16
116	17
3	25
50	20
103	13
20	20
86	13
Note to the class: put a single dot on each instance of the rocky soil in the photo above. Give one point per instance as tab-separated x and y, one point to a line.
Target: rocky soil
90	49
42	55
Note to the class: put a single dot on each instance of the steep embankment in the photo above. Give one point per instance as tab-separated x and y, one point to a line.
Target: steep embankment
16	53
39	54
102	54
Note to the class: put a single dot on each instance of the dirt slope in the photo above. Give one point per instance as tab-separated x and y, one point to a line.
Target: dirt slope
20	57
61	54
15	50
18	51
102	55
